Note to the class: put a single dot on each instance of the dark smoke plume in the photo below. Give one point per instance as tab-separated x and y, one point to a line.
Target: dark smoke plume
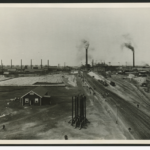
82	45
85	43
127	40
128	45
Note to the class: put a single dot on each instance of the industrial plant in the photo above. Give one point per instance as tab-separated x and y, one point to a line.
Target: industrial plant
80	95
74	74
85	88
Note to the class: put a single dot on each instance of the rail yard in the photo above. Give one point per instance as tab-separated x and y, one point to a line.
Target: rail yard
74	72
110	109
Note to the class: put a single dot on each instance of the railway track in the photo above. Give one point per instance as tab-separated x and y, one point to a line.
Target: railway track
138	121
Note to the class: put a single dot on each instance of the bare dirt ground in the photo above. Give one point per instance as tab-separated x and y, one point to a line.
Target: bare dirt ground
51	122
31	80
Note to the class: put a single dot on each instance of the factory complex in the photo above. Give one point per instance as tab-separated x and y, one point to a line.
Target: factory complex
91	101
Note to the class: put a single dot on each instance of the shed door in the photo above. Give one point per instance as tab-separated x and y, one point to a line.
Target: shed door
31	100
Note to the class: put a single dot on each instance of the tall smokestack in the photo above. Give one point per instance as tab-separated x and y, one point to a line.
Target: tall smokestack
2	64
21	63
48	63
31	63
86	56
133	59
86	46
41	63
11	63
128	45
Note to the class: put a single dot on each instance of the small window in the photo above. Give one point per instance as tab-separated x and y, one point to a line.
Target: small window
26	100
36	100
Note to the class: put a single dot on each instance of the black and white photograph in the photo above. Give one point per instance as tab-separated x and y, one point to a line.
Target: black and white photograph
74	73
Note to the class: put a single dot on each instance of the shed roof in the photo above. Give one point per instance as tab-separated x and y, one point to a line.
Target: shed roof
40	91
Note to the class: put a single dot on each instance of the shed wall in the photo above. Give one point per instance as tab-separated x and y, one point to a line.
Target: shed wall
31	99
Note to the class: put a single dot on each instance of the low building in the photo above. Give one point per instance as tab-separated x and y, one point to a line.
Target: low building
12	70
38	96
29	70
34	70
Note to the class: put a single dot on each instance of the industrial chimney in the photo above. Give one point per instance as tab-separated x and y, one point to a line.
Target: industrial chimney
48	63
31	63
2	64
21	63
86	46
128	45
11	63
41	63
86	56
133	58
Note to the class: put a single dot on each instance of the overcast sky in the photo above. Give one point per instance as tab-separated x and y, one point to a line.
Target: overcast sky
56	34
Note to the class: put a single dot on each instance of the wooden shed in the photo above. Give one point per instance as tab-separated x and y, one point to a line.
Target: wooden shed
38	96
